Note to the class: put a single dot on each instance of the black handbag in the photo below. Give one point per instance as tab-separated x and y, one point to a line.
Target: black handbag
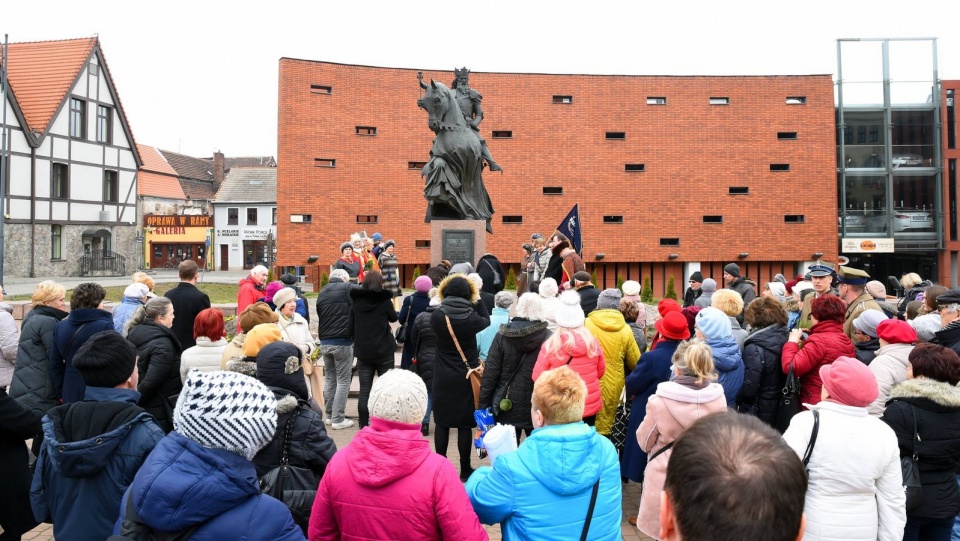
621	422
910	467
400	335
296	487
790	401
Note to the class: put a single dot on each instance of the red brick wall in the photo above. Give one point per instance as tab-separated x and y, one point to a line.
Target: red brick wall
693	152
950	247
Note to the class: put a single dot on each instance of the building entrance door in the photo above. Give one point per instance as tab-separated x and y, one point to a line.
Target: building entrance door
224	257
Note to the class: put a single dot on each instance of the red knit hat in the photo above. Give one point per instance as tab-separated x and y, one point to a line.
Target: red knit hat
673	326
849	382
894	331
668	305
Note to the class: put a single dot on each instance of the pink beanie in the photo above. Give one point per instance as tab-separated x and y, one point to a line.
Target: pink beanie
272	289
850	382
423	284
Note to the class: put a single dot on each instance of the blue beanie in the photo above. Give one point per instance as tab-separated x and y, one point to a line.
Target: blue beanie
714	324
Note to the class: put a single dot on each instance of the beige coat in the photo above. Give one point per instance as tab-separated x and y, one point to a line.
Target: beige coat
890	368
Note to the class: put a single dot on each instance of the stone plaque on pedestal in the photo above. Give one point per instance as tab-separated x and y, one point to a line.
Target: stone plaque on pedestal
457	241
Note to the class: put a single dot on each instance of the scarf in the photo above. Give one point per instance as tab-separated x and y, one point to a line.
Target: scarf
690	382
456	307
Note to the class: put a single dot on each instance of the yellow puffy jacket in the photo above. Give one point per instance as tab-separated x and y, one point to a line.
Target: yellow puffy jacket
621	354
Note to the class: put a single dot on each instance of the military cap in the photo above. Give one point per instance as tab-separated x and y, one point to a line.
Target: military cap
822	269
853	277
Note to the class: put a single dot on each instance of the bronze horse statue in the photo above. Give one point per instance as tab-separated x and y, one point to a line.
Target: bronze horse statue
454	175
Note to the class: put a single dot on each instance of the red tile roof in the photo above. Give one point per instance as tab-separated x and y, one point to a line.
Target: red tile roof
41	74
156	177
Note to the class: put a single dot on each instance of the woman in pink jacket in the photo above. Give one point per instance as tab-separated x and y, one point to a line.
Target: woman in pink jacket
573	345
690	395
388	484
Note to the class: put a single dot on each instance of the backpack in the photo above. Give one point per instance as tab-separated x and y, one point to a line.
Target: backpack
132	528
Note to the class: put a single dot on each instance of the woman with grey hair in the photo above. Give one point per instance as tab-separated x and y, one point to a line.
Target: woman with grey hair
158	366
508	374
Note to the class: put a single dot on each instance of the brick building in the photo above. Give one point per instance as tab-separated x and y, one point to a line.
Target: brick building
672	174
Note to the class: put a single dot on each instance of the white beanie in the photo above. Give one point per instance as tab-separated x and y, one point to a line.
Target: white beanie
399	396
778	290
137	291
283	296
226	410
476	279
569	313
631	287
548	288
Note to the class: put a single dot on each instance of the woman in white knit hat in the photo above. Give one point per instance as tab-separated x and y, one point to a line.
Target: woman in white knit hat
388	483
573	345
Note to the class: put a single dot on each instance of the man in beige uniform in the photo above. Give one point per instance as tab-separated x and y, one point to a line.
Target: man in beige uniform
821	276
852	291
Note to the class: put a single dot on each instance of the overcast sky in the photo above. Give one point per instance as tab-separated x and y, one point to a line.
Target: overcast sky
201	76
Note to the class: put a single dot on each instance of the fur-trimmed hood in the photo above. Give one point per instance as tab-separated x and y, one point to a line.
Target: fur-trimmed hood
286	401
474	290
939	392
561	246
245	365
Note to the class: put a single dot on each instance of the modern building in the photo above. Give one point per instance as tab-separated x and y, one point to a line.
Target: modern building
671	174
245	213
71	164
951	155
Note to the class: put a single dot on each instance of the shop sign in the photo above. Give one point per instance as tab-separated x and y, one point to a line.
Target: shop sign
228	232
169	230
859	245
256	233
178	220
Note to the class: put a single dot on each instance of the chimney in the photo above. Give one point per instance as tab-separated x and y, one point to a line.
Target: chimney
217	170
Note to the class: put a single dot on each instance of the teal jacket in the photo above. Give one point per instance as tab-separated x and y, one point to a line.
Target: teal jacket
542	491
500	316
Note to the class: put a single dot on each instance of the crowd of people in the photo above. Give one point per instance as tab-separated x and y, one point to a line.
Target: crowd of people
783	410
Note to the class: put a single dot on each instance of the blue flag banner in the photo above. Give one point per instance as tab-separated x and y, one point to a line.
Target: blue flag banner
570	226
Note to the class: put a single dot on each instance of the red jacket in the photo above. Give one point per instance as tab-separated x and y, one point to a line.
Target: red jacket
389	484
591	369
248	294
825	343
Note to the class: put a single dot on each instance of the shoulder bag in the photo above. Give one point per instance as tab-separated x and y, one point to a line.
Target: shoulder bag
790	401
401	333
621	421
910	467
296	487
813	439
593	504
475	375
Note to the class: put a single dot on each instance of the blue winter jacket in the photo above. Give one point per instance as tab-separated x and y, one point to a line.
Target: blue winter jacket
653	368
500	316
124	311
182	484
90	454
68	336
542	491
729	364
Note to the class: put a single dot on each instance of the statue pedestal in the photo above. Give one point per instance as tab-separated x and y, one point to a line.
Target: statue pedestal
457	241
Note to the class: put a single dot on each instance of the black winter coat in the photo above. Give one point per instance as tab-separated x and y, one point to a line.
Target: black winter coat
369	323
188	301
487	266
691	295
866	351
949	336
588	298
310	446
513	353
555	269
424	343
763	377
452	394
333	311
413	306
16	425
158	368
31	385
911	295
936	406
68	336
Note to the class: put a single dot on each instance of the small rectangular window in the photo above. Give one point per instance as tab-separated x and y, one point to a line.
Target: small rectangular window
104	124
78	118
503	134
233	216
301	218
321	89
366	130
656	100
59	182
251	216
616	135
664	241
613	219
553	190
634	167
324	162
739	190
368	218
719	101
713	219
274	221
421	244
793	218
56	242
94	69
786	135
110	186
563	99
416	165
513	219
796	100
779	166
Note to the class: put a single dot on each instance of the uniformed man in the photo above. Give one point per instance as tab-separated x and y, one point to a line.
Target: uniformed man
821	276
852	290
